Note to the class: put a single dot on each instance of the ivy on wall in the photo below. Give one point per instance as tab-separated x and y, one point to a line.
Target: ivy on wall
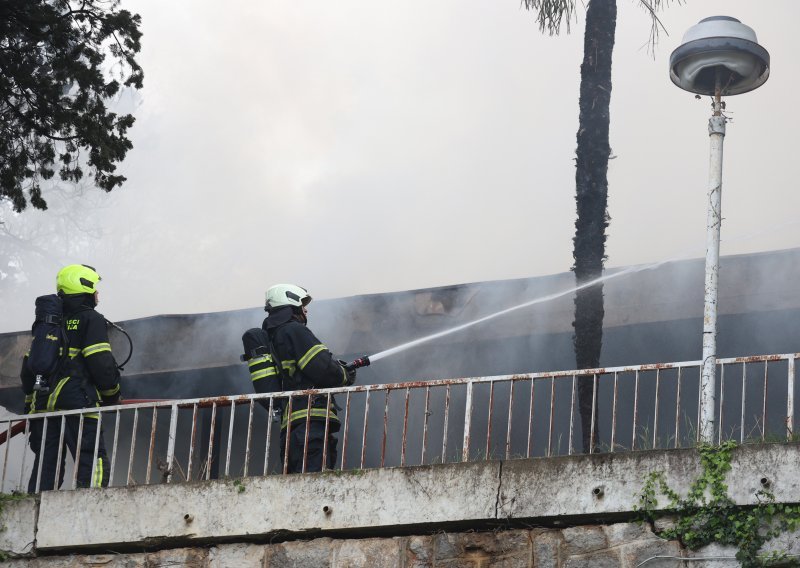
708	515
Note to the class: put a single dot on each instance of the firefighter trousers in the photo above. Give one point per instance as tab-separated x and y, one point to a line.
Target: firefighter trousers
314	451
89	474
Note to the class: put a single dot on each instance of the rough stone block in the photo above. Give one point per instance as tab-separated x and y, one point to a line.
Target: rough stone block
664	523
623	533
602	559
315	553
372	552
495	543
419	551
583	540
521	559
471	562
507	549
239	555
194	557
724	556
446	545
647	548
546	546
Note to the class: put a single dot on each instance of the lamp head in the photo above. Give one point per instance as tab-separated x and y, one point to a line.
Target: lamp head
719	51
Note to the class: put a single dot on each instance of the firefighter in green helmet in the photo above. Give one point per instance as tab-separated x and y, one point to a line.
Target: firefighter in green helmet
306	364
88	378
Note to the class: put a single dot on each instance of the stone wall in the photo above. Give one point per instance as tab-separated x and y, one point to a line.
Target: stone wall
544	512
623	545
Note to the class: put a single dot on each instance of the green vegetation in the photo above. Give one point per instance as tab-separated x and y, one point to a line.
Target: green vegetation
708	515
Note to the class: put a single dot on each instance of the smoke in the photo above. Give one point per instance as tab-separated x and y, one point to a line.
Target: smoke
356	150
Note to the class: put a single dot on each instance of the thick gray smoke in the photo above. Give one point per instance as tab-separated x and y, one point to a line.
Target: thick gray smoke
355	150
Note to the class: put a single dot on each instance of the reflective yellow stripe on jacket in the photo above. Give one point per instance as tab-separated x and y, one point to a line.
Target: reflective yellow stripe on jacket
303	413
51	400
96	348
270	370
109	392
304	360
97	480
259	373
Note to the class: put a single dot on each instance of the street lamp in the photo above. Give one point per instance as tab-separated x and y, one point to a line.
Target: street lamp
719	56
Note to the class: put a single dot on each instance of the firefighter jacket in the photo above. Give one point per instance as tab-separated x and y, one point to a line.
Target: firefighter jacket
307	364
89	376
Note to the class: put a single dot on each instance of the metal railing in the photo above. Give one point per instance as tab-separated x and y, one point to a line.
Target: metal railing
413	423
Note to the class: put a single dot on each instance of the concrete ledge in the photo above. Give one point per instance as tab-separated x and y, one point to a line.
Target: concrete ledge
18	530
567	486
390	501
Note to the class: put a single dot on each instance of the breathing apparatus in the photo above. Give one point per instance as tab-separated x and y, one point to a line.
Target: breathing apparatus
130	344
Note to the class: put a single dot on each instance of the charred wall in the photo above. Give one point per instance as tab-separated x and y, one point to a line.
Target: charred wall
652	315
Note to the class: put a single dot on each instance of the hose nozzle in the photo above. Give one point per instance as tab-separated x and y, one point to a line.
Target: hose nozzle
358	363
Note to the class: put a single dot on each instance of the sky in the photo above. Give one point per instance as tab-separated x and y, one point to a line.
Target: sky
357	147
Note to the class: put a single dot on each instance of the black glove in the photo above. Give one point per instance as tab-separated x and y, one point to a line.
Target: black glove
350	373
112	400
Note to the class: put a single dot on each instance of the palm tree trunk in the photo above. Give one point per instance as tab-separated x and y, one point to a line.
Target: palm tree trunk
591	196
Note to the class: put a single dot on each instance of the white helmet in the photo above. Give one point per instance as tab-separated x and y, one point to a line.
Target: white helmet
286	295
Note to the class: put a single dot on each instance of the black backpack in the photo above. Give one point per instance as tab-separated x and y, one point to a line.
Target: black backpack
256	342
49	348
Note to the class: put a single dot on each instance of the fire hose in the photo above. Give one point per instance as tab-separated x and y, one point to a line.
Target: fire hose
358	363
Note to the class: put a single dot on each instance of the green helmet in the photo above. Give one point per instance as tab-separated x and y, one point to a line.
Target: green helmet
77	279
286	295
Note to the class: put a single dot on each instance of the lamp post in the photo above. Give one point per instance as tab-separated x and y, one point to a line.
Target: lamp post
719	56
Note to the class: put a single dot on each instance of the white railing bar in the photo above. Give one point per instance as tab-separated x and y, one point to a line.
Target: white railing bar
614	413
249	438
446	418
270	412
790	399
592	433
24	454
230	439
530	422
96	451
133	445
153	424
41	455
571	415
764	403
5	458
678	411
467	422
173	431
655	414
425	414
63	426
211	434
114	450
510	414
77	460
744	403
721	403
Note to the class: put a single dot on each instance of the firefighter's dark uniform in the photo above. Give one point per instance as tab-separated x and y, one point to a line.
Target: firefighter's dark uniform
89	377
309	365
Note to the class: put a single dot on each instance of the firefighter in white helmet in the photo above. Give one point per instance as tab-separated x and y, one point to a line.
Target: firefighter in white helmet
305	363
